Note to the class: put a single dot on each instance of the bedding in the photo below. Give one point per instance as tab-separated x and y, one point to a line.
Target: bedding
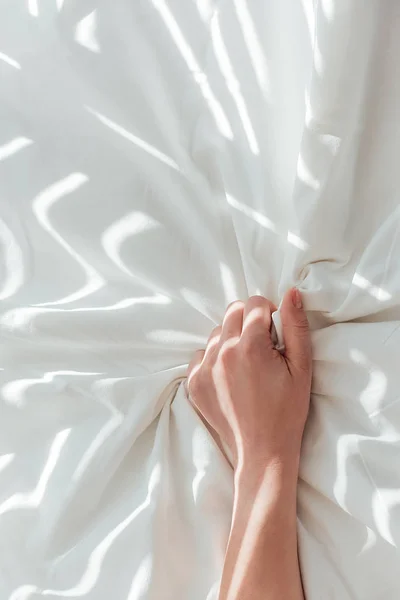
159	159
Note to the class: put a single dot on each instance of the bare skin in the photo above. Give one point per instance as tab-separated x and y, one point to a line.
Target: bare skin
256	401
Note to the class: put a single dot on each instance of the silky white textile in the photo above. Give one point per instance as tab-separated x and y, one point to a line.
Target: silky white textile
158	159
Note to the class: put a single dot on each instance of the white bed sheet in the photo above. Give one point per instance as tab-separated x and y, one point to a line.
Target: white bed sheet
159	159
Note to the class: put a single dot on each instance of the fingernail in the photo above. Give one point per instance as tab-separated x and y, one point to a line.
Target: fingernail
296	298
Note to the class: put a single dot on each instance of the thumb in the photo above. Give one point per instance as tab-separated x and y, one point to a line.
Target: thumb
296	332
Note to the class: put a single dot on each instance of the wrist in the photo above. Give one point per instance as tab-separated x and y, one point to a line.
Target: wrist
265	492
280	473
252	462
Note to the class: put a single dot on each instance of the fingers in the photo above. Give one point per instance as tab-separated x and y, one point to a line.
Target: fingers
200	355
252	318
213	340
257	316
233	321
195	364
296	331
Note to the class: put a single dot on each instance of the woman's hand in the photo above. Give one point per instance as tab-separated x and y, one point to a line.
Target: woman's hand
257	401
255	398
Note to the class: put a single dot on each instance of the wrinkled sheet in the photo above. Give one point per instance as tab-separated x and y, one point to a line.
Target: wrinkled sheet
159	159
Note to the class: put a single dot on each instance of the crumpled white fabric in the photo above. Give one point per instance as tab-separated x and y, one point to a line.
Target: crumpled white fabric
158	160
277	331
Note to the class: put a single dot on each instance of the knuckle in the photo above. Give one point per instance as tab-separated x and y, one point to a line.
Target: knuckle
257	301
212	342
227	354
216	332
301	326
247	346
261	301
257	298
196	384
236	304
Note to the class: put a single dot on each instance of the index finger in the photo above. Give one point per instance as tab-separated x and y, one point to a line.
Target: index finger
257	315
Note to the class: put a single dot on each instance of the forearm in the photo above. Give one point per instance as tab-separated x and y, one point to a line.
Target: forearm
262	560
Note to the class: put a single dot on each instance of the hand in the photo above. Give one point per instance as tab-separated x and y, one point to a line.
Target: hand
255	398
